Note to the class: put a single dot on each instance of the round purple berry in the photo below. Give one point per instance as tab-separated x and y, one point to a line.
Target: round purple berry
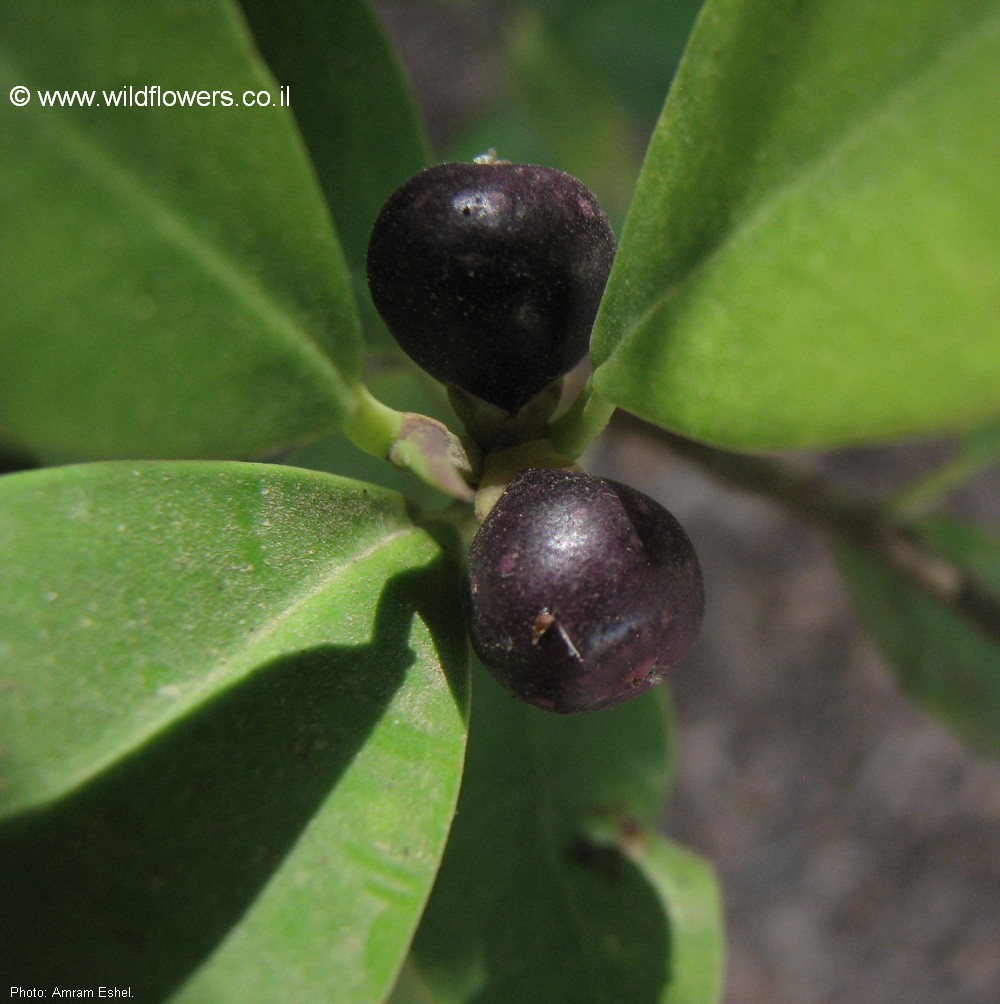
489	275
580	592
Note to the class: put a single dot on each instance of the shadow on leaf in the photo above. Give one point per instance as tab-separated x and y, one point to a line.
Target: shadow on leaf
563	919
13	460
137	877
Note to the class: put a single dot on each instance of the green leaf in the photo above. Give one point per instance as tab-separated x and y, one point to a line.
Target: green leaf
551	84
172	284
690	899
528	905
537	120
410	988
811	255
982	446
356	113
950	667
233	698
636	45
978	449
351	101
163	584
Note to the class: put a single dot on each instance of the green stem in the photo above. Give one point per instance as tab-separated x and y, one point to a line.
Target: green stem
573	432
373	427
421	445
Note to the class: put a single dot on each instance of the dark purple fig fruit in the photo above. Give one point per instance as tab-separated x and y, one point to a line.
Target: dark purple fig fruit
580	592
489	275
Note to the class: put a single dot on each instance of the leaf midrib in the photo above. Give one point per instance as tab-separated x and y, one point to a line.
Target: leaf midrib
225	671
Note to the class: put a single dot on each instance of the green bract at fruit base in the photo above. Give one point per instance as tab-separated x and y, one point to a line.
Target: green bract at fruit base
236	708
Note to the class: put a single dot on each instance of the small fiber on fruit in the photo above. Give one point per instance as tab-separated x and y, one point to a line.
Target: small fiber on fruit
580	592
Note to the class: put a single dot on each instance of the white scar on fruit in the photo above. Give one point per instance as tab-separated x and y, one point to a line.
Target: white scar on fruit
545	621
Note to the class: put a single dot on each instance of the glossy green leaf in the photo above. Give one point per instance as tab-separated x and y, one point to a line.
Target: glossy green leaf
528	904
812	254
950	667
232	698
172	285
351	101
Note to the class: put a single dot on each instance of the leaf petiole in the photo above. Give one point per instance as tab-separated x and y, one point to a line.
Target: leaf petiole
416	443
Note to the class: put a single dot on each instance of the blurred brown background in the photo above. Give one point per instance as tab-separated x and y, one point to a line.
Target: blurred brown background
858	844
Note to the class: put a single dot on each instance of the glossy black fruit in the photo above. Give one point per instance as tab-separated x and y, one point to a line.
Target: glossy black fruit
489	275
580	592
